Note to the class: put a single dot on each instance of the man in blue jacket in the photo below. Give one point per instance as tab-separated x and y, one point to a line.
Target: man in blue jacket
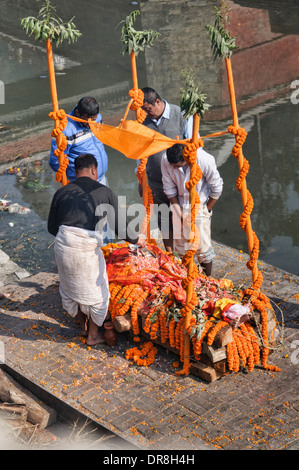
81	140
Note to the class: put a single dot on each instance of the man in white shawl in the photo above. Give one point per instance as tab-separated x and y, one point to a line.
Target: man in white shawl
77	228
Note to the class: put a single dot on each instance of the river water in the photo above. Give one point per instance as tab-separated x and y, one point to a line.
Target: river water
266	77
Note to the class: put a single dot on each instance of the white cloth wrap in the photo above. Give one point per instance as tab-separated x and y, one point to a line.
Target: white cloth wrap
82	273
204	250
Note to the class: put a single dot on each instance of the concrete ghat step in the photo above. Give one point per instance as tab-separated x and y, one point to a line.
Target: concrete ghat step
10	271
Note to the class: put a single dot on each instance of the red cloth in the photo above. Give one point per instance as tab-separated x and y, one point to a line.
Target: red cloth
150	269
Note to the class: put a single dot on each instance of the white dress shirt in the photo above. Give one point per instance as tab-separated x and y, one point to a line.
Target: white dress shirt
175	179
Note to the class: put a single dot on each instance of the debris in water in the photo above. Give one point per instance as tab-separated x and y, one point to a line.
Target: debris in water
13	170
14	208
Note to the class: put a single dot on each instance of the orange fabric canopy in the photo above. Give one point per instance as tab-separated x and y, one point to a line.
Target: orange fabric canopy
134	140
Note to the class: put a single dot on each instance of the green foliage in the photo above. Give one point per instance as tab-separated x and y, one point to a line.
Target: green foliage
223	45
48	25
192	100
134	40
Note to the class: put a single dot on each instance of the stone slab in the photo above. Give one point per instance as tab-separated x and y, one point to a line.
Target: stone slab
152	408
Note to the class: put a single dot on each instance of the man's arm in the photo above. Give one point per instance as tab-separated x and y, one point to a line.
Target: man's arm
53	225
169	185
210	171
176	208
210	203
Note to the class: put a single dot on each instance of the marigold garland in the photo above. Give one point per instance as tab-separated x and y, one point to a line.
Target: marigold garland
137	103
261	302
197	342
148	320
134	310
230	355
244	338
154	329
215	330
240	137
177	333
241	347
250	355
254	342
60	124
171	332
233	356
160	323
148	196
143	356
163	326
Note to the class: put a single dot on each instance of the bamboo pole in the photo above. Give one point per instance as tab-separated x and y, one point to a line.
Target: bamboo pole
243	189
192	198
190	268
144	184
54	98
134	70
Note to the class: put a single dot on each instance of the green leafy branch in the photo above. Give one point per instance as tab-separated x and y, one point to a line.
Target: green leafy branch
223	45
192	100
134	40
48	24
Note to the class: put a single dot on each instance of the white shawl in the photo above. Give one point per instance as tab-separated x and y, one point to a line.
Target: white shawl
82	272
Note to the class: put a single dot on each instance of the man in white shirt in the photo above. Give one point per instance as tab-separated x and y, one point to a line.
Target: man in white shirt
175	174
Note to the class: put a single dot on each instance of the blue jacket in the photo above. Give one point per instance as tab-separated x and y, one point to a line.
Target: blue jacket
80	140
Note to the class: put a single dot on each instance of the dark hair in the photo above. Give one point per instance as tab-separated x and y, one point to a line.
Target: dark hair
88	105
175	153
150	95
85	160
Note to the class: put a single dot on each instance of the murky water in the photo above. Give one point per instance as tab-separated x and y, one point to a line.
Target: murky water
264	68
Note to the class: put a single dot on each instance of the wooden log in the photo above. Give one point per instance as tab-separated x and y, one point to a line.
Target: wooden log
257	315
15	409
223	337
219	366
122	323
272	332
215	354
37	412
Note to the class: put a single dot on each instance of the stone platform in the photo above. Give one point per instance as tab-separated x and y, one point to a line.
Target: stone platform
150	407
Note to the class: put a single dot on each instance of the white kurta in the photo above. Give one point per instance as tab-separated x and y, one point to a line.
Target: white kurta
175	179
82	272
210	185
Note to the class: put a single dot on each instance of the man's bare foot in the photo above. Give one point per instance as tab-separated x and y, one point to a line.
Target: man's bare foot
95	338
4	296
83	322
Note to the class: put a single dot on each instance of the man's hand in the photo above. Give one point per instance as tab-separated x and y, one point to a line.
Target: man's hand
141	241
210	203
